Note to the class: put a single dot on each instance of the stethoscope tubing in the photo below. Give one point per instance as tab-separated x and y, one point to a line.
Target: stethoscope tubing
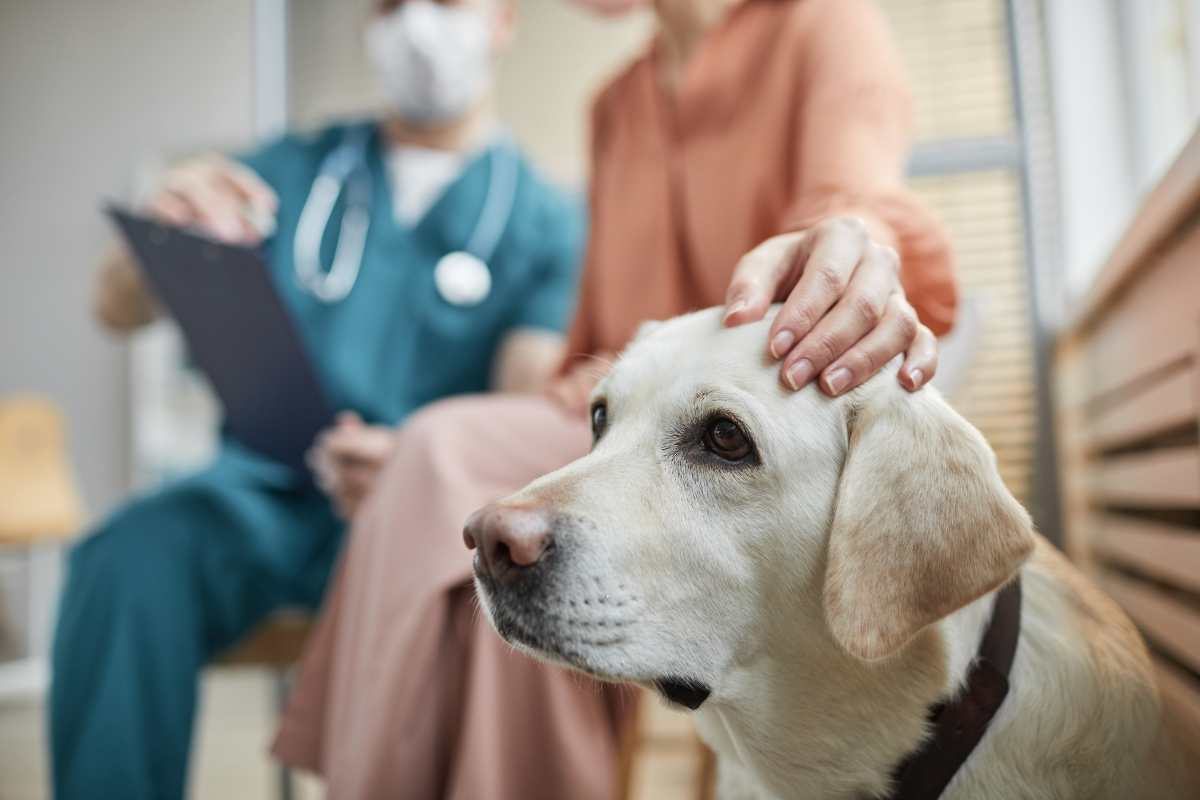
345	169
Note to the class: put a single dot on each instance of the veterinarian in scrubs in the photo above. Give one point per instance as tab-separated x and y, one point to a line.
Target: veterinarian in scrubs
754	152
464	282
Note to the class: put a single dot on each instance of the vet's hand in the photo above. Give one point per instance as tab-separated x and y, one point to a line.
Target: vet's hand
220	197
347	459
844	313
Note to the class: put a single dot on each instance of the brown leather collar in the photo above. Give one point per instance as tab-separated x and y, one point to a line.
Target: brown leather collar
960	724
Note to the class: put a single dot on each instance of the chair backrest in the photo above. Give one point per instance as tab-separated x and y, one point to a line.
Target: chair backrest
38	496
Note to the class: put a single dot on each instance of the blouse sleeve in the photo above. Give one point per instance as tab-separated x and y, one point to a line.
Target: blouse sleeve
853	131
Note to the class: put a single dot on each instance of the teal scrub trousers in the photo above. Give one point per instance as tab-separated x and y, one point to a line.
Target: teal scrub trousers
162	587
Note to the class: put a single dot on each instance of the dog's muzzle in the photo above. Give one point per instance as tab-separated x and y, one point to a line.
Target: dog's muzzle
541	598
535	594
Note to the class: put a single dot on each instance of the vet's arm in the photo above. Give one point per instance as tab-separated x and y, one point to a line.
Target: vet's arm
219	196
849	304
122	303
527	359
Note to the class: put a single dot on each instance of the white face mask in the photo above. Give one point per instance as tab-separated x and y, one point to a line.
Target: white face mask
434	61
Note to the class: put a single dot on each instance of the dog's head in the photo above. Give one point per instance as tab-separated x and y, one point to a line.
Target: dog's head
719	516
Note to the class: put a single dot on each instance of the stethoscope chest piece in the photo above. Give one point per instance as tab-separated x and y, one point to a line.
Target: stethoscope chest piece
462	279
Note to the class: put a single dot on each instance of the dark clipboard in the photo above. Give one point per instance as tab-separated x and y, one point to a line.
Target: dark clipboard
239	334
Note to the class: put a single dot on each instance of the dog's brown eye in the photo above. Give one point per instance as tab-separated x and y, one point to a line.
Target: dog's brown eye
599	419
724	438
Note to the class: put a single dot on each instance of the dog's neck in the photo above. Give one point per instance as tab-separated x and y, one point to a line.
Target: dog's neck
814	722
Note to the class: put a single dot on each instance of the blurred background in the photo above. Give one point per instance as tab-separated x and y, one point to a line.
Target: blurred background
1051	138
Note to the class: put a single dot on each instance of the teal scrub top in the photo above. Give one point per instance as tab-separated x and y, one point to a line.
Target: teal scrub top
394	343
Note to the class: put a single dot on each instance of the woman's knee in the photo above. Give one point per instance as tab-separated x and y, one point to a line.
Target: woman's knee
445	420
442	435
489	442
474	423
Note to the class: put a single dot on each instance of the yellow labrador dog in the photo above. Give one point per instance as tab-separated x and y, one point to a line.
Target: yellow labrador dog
816	577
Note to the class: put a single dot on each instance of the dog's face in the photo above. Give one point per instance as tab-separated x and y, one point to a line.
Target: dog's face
720	518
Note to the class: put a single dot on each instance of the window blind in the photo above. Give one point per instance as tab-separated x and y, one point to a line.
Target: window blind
958	60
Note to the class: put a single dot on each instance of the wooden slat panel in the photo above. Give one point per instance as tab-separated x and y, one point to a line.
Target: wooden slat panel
1167	478
1164	552
1154	321
1170	624
1163	211
1071	377
1166	403
1128	368
1179	691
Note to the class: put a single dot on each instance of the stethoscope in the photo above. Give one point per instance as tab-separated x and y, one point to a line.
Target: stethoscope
461	277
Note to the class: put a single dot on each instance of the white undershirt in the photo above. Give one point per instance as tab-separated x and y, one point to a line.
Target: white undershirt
418	177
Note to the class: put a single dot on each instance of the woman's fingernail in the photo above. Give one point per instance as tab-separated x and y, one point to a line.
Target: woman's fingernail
782	342
837	380
799	374
735	307
917	377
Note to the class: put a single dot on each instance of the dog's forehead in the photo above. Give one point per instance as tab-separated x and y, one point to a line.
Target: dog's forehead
693	348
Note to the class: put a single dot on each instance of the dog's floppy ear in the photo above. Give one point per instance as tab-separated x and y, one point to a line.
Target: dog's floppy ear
923	524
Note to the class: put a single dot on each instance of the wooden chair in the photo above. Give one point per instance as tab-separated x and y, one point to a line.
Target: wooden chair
276	645
39	509
662	757
38	497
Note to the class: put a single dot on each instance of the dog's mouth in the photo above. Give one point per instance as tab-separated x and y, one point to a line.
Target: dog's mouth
688	693
533	616
580	623
528	632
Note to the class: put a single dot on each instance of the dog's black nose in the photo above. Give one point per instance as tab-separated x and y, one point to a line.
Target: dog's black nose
510	539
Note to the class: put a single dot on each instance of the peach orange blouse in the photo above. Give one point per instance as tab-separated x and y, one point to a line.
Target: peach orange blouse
790	111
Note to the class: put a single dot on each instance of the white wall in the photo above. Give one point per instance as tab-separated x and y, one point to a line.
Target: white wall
89	89
1125	79
561	57
1096	180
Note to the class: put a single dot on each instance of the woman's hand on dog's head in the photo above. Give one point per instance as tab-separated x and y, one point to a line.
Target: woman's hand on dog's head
844	313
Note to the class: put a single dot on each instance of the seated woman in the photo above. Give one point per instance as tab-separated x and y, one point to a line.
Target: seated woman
777	127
